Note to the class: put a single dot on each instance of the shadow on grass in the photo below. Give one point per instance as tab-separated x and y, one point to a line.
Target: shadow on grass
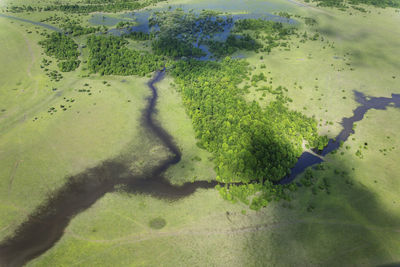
347	227
46	225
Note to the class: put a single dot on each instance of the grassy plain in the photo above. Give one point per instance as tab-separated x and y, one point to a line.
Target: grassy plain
356	224
353	225
320	79
39	149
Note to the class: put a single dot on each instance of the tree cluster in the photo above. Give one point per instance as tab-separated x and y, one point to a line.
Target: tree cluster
180	33
232	44
174	47
63	48
109	55
249	144
88	6
342	3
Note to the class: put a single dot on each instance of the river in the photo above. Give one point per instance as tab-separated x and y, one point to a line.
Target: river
46	225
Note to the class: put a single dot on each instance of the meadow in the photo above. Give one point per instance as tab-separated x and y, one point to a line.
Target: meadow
40	145
350	216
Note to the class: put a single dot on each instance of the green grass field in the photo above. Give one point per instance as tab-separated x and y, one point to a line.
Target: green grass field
356	224
37	154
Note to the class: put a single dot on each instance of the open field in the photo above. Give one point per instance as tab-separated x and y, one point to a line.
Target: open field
320	79
353	225
355	221
37	154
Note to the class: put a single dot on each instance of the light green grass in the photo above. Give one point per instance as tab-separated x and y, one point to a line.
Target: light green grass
195	163
370	39
37	155
354	225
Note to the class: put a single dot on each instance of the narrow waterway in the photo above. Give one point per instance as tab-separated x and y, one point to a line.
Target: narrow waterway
45	226
366	103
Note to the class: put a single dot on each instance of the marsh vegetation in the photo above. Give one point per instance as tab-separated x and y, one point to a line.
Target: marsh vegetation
252	100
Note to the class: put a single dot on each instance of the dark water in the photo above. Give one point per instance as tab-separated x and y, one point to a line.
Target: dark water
366	103
142	20
46	225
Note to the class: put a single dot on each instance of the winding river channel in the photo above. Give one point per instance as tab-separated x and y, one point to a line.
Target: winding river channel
46	225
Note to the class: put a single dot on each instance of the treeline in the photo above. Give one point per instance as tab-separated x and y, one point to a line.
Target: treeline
180	33
71	26
88	6
232	44
109	55
124	24
63	48
75	29
253	35
139	36
249	144
342	3
272	29
174	47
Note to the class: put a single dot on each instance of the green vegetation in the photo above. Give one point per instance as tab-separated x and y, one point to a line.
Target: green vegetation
62	47
75	29
180	30
87	6
343	3
71	26
232	44
345	213
139	36
41	152
108	55
249	144
157	223
253	35
174	47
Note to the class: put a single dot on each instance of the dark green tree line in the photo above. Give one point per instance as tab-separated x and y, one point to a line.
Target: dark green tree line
63	48
109	55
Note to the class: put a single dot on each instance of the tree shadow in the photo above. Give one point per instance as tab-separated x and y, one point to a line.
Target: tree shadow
346	227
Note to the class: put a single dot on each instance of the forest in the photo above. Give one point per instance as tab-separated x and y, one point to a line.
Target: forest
109	55
232	44
63	48
342	3
87	6
174	47
251	146
180	33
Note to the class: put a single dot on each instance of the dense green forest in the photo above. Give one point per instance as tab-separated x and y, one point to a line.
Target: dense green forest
179	31
232	44
75	29
139	36
88	6
63	48
70	25
249	144
108	55
174	47
342	3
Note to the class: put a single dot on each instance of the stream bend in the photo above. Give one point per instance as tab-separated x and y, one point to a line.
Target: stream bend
46	225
